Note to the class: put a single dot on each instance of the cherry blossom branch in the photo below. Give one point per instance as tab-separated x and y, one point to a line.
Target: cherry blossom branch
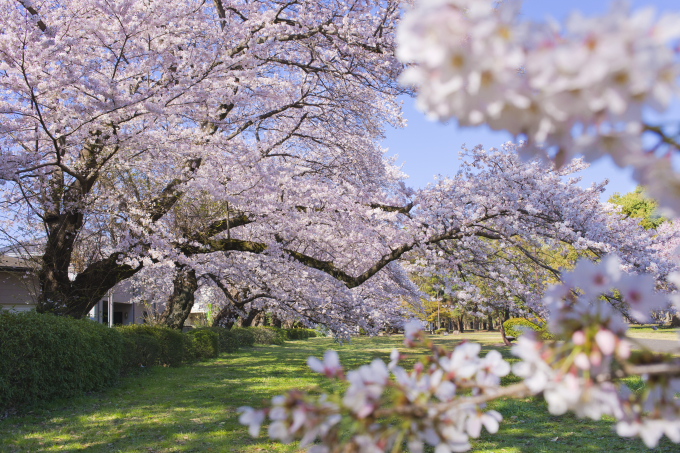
34	12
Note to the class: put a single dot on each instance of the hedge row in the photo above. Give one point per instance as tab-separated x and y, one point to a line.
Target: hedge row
239	337
300	334
275	335
44	356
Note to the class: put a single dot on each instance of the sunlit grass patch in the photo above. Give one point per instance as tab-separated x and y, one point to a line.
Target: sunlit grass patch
647	331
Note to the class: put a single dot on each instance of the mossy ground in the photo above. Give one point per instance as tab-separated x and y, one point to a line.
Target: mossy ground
193	408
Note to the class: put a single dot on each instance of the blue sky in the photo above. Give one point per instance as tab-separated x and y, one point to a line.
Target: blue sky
427	148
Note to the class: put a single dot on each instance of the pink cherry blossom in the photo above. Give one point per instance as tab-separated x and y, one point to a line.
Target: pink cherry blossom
253	418
330	366
578	338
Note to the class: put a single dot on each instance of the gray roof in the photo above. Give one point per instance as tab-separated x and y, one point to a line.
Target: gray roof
10	263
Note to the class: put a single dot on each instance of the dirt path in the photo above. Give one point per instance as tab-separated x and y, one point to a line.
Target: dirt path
671	346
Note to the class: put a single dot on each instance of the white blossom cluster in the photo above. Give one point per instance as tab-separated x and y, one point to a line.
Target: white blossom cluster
576	89
577	375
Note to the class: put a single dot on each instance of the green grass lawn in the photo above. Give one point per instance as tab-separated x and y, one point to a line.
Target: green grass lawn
646	331
193	408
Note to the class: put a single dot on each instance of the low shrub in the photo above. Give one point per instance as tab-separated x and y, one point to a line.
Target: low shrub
268	335
202	344
245	337
517	326
140	350
440	331
299	334
173	343
43	356
227	339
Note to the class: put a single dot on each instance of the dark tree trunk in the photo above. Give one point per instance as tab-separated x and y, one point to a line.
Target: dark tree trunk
489	322
182	299
505	339
461	324
55	286
248	320
475	324
259	320
63	220
276	321
225	317
58	294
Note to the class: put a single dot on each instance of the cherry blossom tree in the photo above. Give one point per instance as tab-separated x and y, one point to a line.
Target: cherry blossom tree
113	113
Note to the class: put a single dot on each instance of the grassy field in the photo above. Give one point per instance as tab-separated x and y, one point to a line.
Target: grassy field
646	331
193	408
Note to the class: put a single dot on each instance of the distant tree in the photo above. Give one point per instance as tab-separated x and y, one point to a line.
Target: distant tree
637	204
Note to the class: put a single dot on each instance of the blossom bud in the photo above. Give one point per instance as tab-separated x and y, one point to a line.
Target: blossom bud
595	358
623	350
582	361
578	338
606	341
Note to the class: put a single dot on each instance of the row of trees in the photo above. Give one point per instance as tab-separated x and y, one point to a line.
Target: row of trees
447	308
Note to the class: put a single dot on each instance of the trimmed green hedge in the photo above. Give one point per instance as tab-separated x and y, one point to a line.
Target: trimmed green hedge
172	344
227	340
203	344
141	350
275	335
244	336
43	356
268	335
300	334
511	328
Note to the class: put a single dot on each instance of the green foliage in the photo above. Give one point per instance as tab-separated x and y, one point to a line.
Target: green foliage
44	356
203	344
173	343
269	335
636	205
517	326
227	339
244	336
440	331
209	315
140	350
299	334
